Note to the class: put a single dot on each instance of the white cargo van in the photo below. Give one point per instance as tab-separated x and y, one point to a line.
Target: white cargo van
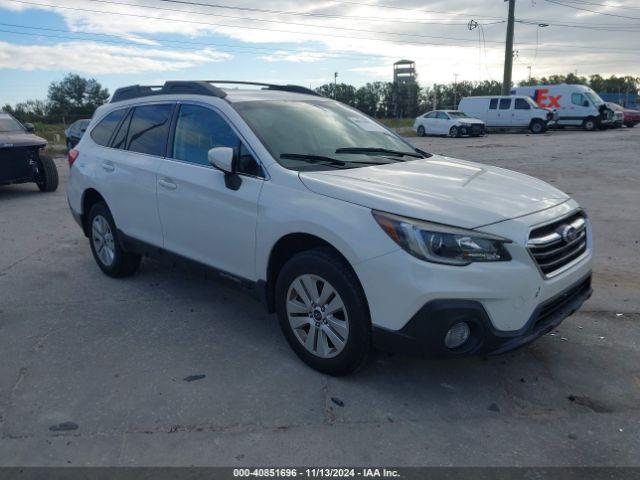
576	105
507	112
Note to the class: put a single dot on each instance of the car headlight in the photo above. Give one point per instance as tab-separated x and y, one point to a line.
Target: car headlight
438	243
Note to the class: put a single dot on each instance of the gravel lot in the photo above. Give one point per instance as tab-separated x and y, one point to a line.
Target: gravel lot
172	368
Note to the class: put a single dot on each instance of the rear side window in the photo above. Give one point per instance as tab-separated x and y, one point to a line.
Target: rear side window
443	116
505	103
431	115
522	104
102	132
149	128
120	139
493	104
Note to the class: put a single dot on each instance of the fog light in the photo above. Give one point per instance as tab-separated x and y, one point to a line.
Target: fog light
457	335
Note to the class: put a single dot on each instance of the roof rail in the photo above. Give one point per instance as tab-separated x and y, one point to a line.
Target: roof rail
269	86
204	87
170	87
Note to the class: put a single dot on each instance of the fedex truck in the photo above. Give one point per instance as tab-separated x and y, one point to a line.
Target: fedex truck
576	105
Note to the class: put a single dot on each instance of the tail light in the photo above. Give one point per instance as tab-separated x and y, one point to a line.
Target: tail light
73	154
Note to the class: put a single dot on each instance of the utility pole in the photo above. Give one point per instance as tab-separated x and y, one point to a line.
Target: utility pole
335	85
529	68
455	90
508	52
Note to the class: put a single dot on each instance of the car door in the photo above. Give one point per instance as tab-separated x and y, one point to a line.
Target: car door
428	122
131	170
203	219
521	113
504	113
492	113
443	123
579	109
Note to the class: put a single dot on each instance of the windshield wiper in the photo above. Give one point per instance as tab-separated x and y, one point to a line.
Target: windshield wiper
385	151
313	158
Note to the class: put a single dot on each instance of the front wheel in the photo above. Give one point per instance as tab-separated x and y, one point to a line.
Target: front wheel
107	251
421	132
47	175
590	124
323	312
537	126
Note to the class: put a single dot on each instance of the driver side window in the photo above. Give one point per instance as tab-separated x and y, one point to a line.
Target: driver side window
579	99
198	129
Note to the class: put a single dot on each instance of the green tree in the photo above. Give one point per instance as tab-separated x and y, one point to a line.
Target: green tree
75	96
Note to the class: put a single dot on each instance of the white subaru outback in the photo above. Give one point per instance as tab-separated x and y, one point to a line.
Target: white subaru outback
353	236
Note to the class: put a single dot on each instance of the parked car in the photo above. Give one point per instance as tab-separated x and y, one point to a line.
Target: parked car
22	157
575	105
75	131
352	235
453	123
507	112
630	117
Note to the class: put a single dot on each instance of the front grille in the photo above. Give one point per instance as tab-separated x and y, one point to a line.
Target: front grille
559	243
15	164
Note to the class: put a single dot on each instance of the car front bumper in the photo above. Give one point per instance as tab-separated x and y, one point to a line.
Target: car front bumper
424	334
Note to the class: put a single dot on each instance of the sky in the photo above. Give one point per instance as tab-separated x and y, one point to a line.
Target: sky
124	42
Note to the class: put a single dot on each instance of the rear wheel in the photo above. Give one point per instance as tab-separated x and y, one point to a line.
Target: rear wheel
421	132
47	177
323	312
630	125
454	131
107	251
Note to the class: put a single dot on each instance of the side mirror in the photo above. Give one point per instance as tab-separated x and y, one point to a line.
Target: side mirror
29	127
223	159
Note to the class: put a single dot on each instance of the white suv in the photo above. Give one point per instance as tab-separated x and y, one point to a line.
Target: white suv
353	236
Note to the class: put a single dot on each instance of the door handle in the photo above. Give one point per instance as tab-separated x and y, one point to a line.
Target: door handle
108	166
167	183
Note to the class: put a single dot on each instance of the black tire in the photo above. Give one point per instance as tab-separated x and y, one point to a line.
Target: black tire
124	263
324	263
630	125
590	124
421	132
454	132
537	127
47	180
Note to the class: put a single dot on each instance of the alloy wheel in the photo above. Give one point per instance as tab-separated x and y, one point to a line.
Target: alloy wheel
103	241
317	315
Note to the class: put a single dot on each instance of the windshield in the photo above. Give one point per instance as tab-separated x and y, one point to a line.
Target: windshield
9	124
594	97
298	133
457	114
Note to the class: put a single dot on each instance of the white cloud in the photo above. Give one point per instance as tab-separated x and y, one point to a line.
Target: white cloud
95	58
318	43
298	57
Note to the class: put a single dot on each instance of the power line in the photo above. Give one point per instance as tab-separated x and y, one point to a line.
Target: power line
563	46
593	11
165	19
608	5
309	14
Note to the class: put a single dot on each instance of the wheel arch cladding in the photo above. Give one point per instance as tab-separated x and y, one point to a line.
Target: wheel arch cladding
287	247
89	198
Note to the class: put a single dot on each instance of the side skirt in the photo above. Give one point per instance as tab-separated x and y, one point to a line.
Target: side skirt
258	289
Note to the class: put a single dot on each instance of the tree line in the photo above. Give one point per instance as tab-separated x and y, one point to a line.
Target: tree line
76	97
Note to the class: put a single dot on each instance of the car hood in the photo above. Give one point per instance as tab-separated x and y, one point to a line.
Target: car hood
469	120
19	139
438	189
